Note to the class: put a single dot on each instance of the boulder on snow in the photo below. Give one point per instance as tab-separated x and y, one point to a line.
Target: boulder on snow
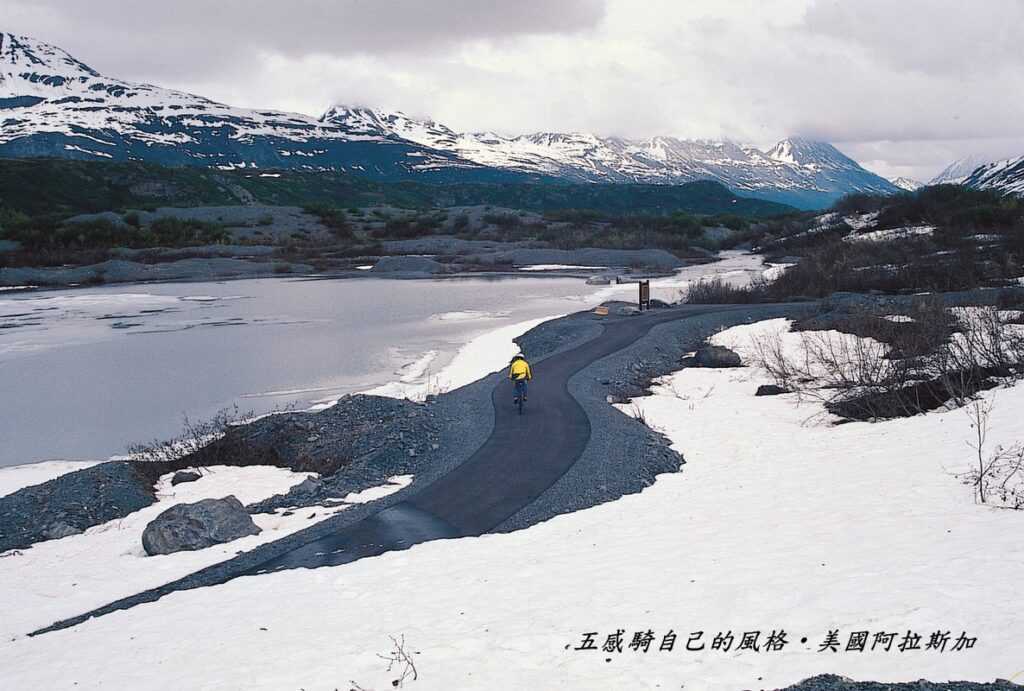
195	526
770	390
185	476
716	356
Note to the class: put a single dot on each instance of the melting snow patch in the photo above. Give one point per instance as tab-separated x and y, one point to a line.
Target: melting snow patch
60	578
559	267
890	234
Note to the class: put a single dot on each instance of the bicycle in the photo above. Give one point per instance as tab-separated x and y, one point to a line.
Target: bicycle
520	396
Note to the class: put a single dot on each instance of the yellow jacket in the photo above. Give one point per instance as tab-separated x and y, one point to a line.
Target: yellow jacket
519	369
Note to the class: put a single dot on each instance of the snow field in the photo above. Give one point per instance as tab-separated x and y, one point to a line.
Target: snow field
779	520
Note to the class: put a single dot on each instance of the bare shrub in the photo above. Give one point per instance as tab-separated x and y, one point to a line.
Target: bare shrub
863	367
400	659
715	291
998	476
194	437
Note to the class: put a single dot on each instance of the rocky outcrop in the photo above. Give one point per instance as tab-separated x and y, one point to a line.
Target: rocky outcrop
188	527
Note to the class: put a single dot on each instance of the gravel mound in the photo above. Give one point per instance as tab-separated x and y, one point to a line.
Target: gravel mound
71	503
411	265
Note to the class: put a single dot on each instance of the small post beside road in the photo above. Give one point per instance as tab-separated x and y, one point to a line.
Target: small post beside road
645	295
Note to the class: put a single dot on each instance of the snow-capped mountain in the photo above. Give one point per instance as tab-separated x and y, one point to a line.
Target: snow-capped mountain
957	171
795	171
1005	176
54	105
908	184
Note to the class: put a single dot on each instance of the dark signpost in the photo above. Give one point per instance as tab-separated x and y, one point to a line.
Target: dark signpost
645	295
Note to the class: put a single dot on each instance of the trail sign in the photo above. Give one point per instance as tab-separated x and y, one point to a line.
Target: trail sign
645	295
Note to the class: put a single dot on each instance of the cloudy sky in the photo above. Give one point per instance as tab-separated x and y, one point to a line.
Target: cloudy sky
903	86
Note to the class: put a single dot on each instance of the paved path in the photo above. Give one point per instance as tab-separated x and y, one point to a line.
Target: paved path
524	456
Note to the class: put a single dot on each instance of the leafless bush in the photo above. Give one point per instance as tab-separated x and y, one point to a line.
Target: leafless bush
862	366
998	476
194	437
400	659
715	291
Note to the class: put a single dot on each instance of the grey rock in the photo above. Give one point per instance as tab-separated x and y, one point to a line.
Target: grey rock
770	390
407	265
716	356
310	485
184	476
187	527
59	529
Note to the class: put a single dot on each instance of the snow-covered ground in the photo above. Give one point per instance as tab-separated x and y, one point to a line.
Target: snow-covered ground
61	578
779	521
890	234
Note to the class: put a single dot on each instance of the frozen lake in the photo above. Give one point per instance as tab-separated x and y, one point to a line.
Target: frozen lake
85	373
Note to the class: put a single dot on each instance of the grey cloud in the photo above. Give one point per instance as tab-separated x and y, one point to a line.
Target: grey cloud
929	36
189	38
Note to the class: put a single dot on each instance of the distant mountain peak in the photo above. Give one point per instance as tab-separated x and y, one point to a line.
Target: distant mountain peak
55	105
957	171
908	184
803	152
27	55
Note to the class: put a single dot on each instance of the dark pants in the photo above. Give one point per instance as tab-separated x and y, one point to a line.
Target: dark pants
520	388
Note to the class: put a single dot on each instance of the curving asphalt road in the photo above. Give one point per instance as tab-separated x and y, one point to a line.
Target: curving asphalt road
524	456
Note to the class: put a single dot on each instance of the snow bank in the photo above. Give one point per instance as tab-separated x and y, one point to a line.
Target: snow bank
61	578
559	267
484	354
774	523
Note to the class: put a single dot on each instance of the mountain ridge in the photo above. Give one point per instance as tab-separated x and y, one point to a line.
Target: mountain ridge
52	104
1004	176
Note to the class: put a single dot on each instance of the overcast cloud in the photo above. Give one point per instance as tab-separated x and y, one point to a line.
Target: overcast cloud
903	86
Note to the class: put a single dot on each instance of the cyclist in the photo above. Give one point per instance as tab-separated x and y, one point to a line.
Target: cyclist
519	372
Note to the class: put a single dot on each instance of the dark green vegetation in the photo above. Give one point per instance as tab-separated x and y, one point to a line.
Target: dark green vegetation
349	217
977	241
51	186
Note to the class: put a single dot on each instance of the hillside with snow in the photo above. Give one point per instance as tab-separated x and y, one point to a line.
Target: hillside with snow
1004	176
53	105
